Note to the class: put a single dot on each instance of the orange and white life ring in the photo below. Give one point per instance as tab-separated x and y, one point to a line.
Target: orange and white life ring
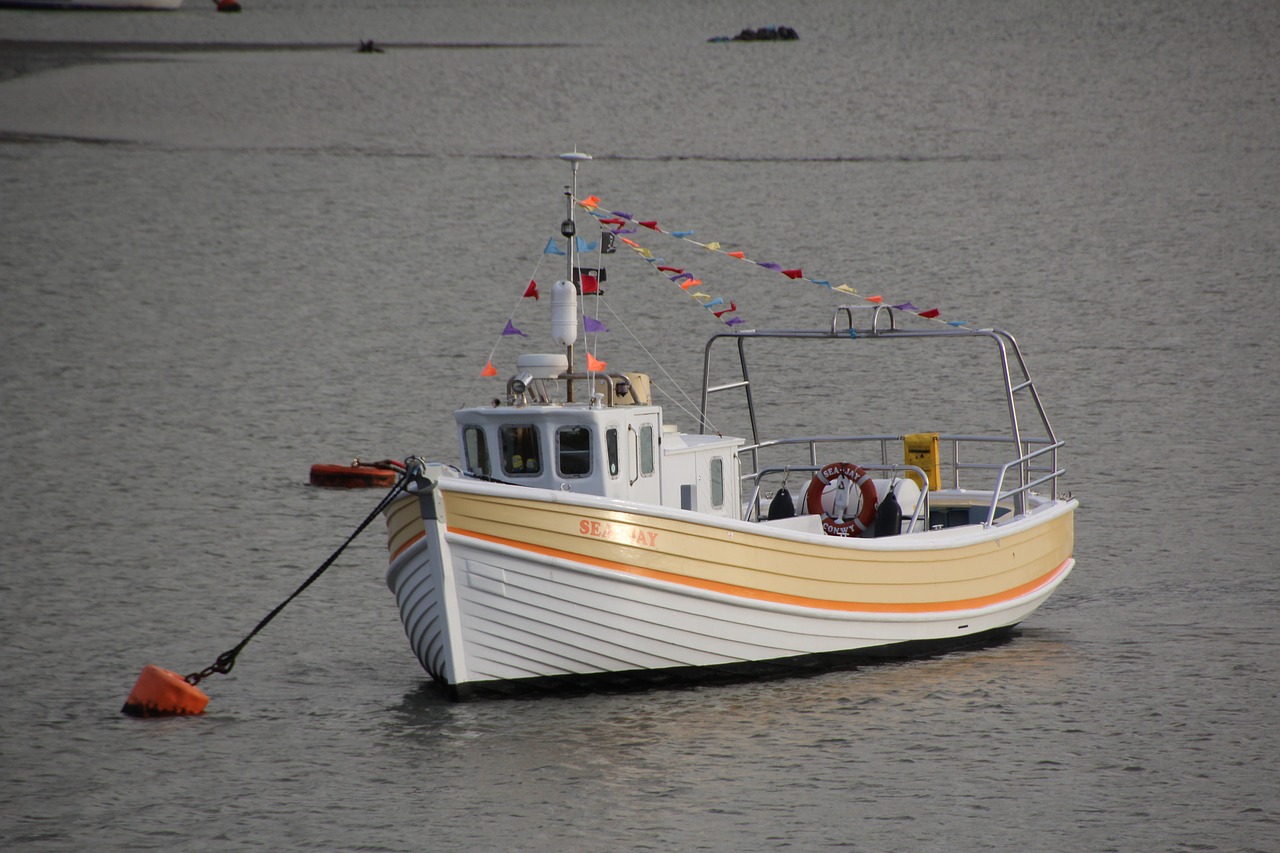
835	522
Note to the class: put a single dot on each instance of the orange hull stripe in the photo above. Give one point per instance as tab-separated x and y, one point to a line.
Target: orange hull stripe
406	545
776	597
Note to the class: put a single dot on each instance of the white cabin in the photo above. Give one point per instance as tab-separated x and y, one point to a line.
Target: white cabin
615	445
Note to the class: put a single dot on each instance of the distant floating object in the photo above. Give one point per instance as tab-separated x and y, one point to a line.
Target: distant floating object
762	34
357	475
368	47
228	5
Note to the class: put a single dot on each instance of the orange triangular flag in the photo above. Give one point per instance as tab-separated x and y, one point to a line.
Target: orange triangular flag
594	364
737	254
693	282
590	202
875	299
489	369
531	290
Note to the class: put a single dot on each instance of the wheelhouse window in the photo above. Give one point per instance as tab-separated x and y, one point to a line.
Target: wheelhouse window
646	450
611	448
520	453
477	451
717	482
574	446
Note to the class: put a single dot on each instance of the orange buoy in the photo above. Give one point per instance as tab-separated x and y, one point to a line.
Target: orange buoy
228	6
357	475
161	693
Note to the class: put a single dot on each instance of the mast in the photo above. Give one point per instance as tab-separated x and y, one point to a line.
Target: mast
568	229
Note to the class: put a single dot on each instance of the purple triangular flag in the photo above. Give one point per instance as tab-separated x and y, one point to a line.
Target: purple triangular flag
591	324
512	330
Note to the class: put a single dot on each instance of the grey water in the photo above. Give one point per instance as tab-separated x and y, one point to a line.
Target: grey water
220	266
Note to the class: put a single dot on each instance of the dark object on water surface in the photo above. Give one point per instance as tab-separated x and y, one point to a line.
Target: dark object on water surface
762	34
368	47
228	5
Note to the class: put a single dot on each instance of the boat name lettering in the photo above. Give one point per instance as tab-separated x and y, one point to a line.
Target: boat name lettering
619	533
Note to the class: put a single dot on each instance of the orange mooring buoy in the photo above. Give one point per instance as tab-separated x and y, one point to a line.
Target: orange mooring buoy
161	693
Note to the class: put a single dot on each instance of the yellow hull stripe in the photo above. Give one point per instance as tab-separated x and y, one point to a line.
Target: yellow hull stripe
776	597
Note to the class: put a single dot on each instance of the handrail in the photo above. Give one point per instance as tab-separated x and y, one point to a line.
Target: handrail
997	495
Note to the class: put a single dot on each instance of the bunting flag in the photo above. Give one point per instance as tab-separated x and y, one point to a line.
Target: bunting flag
594	364
733	306
591	324
512	330
584	246
552	248
489	369
531	290
617	219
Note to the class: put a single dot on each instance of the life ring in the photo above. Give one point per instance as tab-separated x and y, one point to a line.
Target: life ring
838	524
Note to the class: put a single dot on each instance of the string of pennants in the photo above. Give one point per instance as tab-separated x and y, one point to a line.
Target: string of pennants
622	223
619	224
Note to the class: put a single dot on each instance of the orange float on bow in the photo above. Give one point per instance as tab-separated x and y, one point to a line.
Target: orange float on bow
836	522
357	475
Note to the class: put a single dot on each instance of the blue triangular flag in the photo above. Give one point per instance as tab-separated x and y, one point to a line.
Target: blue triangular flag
584	246
552	248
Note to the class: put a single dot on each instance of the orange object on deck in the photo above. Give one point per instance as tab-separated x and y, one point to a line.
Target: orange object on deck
357	475
161	693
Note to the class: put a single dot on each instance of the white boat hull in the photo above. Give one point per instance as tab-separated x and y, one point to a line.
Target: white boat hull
484	612
93	5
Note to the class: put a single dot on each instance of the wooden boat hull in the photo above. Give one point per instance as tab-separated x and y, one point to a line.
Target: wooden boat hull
501	586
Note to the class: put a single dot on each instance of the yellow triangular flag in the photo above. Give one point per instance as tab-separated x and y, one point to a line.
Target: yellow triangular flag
844	288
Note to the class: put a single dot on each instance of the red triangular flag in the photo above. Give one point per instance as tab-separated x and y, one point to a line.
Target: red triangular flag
531	290
489	369
594	364
590	284
733	306
737	254
931	313
875	299
793	273
653	224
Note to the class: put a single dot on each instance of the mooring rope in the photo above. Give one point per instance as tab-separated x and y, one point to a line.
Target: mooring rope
227	660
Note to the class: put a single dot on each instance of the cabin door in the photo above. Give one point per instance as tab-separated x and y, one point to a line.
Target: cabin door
644	433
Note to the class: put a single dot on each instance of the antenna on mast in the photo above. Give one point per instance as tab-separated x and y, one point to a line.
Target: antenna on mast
569	229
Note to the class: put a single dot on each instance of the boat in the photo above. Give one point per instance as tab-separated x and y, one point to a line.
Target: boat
357	475
584	542
93	5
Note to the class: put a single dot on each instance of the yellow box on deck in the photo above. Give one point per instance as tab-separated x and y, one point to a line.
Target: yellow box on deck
921	449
